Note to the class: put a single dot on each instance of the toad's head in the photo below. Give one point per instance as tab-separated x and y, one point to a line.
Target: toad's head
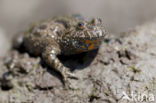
86	35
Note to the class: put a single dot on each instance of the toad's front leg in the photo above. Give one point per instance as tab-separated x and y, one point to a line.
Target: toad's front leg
50	57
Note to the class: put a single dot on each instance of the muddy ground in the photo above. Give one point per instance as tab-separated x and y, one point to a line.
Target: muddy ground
124	65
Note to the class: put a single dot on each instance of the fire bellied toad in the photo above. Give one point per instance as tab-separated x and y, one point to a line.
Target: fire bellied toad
63	35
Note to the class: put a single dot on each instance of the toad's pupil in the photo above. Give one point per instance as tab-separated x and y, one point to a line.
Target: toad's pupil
81	24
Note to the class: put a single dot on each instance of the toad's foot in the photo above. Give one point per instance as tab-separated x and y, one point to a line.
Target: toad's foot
66	76
50	57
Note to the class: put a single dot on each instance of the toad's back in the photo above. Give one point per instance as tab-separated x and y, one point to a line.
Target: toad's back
40	35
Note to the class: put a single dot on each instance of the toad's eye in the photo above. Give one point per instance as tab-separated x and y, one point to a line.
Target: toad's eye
80	25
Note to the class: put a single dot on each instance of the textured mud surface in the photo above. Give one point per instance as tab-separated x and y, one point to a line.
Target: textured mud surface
125	64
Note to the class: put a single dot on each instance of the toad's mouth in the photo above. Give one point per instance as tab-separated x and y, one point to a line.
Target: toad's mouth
88	45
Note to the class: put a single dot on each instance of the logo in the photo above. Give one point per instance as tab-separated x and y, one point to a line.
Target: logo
138	97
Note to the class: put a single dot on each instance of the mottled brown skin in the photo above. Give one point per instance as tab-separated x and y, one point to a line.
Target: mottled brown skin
63	35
